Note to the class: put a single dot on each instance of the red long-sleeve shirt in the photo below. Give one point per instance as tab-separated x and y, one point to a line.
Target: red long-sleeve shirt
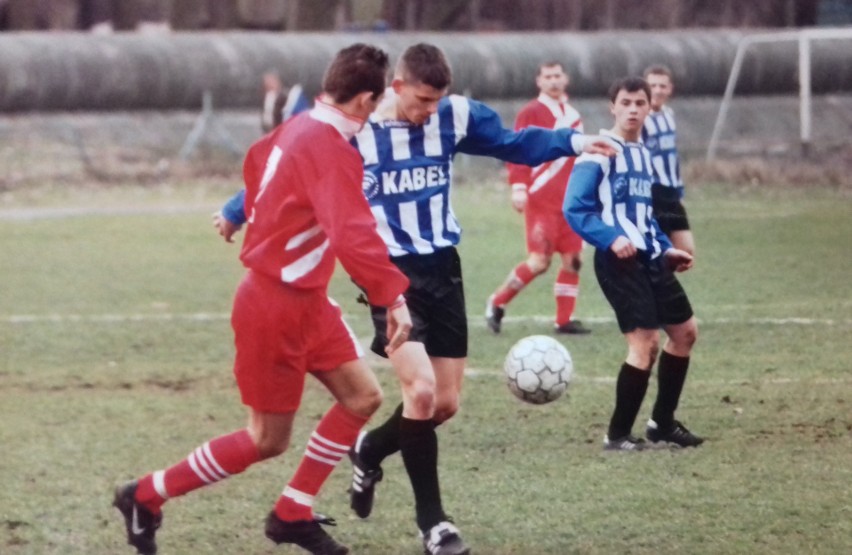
546	182
305	206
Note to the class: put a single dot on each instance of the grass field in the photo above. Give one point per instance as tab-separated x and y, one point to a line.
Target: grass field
116	354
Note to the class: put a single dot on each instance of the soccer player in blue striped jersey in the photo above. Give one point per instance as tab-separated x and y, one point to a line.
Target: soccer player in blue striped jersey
609	204
659	134
407	148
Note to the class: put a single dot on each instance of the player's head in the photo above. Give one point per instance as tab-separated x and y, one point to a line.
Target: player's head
659	78
630	103
552	80
357	74
422	77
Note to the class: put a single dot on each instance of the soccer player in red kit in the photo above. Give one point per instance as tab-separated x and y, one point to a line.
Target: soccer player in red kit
306	208
538	193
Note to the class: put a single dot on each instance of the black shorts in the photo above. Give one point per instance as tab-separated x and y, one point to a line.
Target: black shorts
435	300
643	293
668	209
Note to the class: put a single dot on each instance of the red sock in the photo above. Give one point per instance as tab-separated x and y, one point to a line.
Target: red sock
518	279
565	289
214	461
329	443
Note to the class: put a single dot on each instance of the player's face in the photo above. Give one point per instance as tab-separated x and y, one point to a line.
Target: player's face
552	81
630	110
416	102
661	89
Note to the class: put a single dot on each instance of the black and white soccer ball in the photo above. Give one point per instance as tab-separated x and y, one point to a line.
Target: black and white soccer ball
538	369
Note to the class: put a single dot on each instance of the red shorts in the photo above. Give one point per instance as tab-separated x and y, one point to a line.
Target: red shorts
281	333
548	232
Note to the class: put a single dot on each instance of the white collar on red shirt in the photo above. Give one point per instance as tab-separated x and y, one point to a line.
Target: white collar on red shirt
346	125
552	103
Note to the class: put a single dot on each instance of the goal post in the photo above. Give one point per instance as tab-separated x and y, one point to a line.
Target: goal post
804	39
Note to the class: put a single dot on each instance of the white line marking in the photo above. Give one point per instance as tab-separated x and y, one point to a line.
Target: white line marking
475	321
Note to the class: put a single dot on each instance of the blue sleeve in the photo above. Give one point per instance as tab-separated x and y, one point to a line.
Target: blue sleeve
582	209
530	146
234	210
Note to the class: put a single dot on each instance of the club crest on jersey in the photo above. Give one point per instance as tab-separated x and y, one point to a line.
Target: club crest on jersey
370	185
651	143
619	188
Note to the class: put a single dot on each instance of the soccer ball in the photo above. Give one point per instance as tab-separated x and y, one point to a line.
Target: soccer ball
538	369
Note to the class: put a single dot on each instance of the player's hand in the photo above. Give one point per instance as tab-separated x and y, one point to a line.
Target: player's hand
225	227
623	248
598	144
678	260
519	197
399	326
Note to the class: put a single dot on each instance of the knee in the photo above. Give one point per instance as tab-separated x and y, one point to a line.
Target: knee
366	403
269	446
538	264
446	409
685	338
646	352
421	395
574	265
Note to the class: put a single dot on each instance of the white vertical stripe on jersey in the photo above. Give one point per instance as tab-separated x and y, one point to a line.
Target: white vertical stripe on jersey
641	217
656	244
436	210
367	145
662	122
646	154
409	223
620	163
461	116
303	265
382	226
669	115
605	196
651	125
636	156
660	170
673	169
632	232
297	240
432	136
400	140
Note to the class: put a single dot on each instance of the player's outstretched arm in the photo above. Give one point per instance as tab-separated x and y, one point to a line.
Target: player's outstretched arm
597	144
678	260
399	325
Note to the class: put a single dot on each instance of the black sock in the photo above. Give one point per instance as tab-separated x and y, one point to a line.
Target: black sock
382	441
418	444
629	391
671	375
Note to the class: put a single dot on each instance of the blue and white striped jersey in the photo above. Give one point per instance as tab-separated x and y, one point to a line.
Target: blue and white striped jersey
408	168
660	137
609	197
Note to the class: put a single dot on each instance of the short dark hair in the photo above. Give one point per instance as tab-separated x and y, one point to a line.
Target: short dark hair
356	69
629	84
657	69
550	63
425	63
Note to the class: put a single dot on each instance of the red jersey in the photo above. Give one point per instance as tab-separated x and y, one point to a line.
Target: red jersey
546	183
305	207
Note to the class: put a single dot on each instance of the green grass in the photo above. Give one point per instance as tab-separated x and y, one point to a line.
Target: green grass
116	355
